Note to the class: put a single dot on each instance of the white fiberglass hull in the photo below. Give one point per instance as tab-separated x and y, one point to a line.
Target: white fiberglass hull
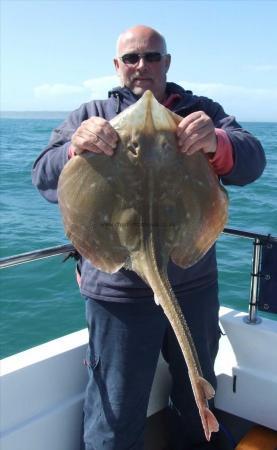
42	389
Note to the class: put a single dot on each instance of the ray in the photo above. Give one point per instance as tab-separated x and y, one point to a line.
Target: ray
142	206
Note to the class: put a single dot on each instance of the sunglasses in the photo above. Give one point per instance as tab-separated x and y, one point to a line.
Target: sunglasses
133	58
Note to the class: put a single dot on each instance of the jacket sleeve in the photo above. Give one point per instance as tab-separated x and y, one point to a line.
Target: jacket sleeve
49	164
248	153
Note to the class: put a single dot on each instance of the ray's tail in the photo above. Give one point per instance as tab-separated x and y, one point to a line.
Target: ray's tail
202	389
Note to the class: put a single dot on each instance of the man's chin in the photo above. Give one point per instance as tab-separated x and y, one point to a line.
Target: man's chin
139	90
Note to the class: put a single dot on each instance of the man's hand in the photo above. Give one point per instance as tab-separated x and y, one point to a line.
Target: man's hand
95	135
196	132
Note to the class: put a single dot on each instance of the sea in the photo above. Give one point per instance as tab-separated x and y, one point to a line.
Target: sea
40	300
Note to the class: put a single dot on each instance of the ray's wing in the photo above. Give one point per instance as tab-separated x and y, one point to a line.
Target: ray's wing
202	211
87	199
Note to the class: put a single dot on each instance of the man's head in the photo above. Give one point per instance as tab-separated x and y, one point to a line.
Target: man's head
148	71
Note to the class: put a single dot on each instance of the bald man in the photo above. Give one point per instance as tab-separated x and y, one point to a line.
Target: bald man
127	330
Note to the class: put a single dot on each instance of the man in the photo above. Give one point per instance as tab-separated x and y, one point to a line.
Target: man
126	329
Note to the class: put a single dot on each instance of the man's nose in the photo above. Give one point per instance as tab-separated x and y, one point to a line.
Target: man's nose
141	62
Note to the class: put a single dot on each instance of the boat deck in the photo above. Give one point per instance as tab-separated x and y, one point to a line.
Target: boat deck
47	407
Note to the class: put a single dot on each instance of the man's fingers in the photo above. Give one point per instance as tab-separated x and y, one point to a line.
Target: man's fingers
101	129
81	144
206	143
102	141
188	139
95	135
106	132
198	125
189	123
196	132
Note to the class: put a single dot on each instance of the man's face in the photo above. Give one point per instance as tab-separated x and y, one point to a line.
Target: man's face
143	75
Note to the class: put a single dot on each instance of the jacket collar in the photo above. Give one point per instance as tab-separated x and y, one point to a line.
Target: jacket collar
123	97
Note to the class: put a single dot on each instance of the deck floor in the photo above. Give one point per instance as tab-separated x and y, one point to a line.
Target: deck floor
157	435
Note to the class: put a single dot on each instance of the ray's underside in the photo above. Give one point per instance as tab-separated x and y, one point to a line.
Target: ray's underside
142	206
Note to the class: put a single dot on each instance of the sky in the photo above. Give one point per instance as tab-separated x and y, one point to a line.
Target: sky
57	54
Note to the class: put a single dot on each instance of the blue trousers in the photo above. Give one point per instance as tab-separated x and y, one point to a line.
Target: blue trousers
125	340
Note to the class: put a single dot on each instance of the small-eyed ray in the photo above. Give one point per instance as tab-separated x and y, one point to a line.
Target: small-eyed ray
142	206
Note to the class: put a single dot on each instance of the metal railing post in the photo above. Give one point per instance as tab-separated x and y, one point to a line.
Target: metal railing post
252	317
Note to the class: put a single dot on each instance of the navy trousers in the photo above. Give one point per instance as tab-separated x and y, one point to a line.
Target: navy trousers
125	340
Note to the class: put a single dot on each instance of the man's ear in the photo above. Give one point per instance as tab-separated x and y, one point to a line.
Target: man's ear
167	62
116	64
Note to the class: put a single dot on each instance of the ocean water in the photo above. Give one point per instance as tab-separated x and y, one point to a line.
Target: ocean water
40	300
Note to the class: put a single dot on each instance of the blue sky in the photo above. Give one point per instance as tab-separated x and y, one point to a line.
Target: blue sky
56	54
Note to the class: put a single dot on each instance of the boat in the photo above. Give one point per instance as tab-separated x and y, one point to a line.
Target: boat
43	388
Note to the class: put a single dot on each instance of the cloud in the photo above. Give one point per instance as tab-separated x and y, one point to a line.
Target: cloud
99	87
261	67
56	90
211	89
247	103
61	96
94	88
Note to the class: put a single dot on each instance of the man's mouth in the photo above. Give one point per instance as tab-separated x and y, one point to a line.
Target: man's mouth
141	79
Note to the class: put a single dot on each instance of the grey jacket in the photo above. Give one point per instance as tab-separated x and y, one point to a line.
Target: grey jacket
126	286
